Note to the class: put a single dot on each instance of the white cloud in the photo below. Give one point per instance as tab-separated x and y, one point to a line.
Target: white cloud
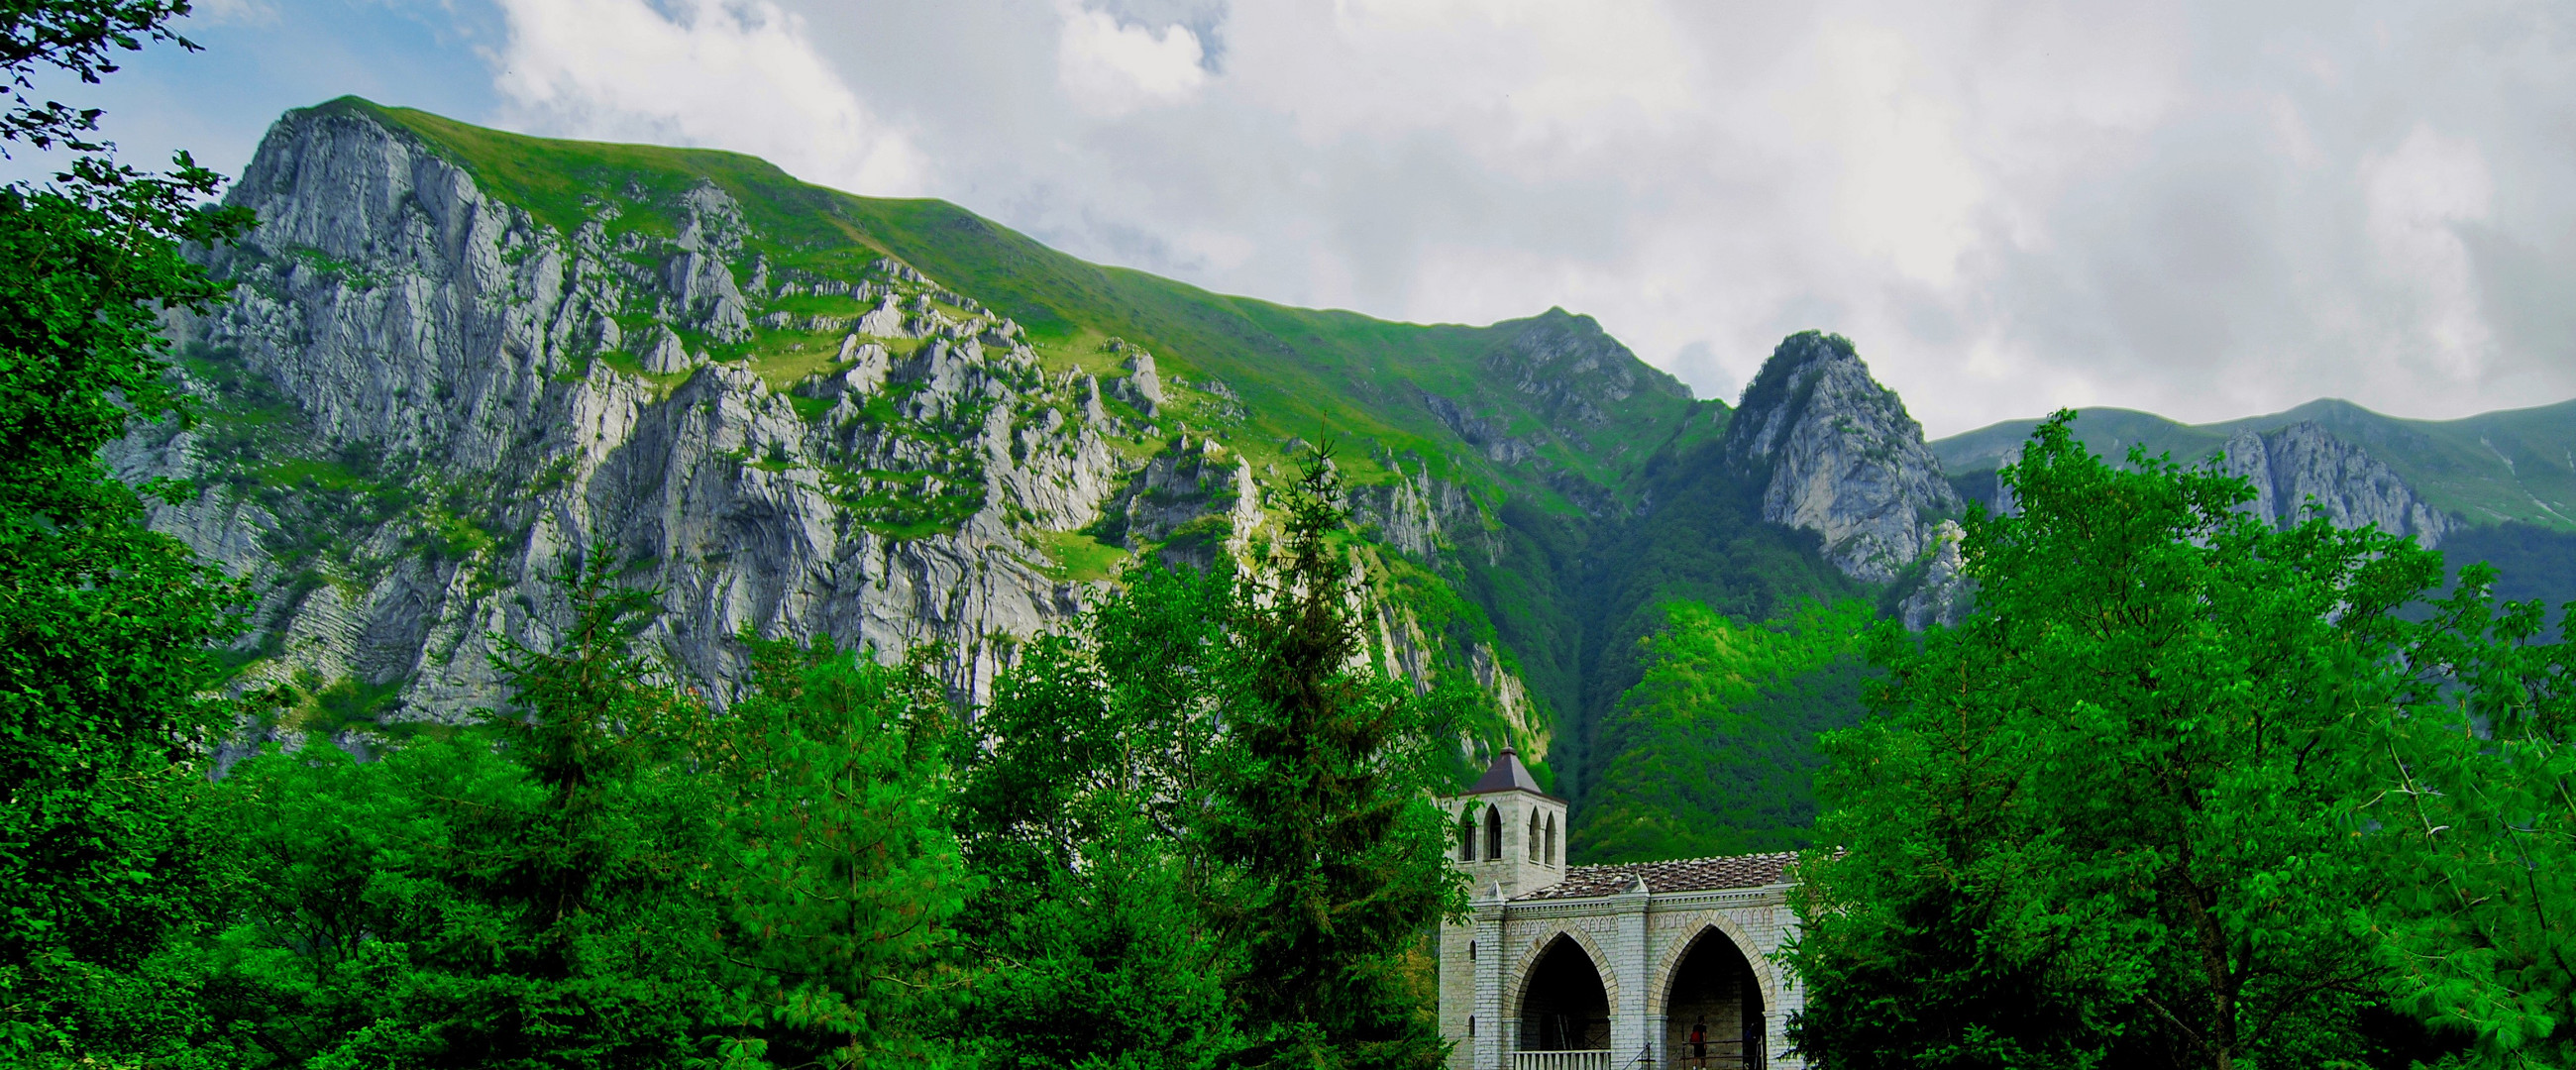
240	12
1905	187
2202	209
2420	195
1110	69
737	75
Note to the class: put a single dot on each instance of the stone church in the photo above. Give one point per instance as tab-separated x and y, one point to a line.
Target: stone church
1641	966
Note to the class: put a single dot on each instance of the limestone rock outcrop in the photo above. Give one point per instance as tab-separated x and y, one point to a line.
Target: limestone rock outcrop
1836	454
417	415
1423	516
1572	369
1195	499
2303	464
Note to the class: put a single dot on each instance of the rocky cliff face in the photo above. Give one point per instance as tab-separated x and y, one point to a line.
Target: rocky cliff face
424	400
428	397
1425	517
1836	454
2304	465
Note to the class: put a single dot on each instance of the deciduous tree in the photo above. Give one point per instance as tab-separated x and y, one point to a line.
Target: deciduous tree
2107	820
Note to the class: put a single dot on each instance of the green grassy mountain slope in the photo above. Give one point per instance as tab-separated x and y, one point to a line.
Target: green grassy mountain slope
1533	497
1523	444
1301	373
2517	465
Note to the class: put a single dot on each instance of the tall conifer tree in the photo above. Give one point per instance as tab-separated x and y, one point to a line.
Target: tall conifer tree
1323	810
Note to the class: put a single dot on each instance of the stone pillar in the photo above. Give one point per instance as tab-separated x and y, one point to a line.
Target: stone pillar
1458	961
1494	1035
1627	954
1780	926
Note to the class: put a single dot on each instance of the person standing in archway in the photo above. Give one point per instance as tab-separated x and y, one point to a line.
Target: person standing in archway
1699	1044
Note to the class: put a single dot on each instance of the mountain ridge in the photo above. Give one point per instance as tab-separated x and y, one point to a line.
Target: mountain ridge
457	354
2509	465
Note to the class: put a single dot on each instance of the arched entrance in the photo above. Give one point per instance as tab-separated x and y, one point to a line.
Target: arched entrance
1715	996
1565	1007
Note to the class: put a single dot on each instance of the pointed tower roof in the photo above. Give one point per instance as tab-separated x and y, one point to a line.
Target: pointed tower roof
1507	774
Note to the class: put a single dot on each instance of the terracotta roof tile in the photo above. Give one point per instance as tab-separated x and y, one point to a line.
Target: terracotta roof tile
1679	875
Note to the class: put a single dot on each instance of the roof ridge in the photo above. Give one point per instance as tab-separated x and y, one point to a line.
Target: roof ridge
1709	873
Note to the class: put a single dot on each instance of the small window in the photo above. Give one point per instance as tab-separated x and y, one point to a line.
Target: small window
1533	836
1471	951
1493	833
1551	840
1466	838
1471	1025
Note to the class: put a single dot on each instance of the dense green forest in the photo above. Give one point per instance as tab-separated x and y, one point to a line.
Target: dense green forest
833	868
2186	789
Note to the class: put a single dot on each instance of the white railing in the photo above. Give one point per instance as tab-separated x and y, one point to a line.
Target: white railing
1561	1060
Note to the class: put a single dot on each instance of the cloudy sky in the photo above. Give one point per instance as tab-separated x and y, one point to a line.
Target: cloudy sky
2205	210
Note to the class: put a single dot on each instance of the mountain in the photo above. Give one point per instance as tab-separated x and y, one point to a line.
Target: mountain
2498	487
456	355
2513	466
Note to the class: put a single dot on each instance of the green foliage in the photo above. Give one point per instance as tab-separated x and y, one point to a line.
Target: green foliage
1716	745
606	877
1704	543
841	876
104	626
2108	820
1204	831
1322	805
2469	785
1092	915
78	39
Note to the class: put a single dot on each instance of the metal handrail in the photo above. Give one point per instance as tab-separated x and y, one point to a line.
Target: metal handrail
1748	1053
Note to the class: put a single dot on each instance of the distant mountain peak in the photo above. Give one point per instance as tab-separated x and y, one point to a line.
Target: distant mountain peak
1837	454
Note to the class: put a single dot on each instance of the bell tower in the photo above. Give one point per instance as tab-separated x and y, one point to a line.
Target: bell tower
1506	832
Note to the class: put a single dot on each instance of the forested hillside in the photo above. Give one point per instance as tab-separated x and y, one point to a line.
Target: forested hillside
451	353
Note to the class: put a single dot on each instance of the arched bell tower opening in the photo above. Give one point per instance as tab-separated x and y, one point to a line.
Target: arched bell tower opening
1565	1007
1505	830
1715	999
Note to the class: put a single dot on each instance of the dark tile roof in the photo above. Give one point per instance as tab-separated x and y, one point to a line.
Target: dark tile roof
1507	774
1679	875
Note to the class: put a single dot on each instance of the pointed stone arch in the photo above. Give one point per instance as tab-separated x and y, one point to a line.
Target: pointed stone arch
1516	983
1659	981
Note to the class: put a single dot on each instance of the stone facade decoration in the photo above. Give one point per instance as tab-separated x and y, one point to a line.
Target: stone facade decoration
1618	967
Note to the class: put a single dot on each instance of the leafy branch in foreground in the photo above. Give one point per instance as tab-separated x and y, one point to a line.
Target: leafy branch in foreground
2470	789
105	627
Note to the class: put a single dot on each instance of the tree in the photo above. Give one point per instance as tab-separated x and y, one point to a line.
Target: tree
2468	783
537	891
2108	819
840	880
1091	920
104	626
610	875
1322	810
